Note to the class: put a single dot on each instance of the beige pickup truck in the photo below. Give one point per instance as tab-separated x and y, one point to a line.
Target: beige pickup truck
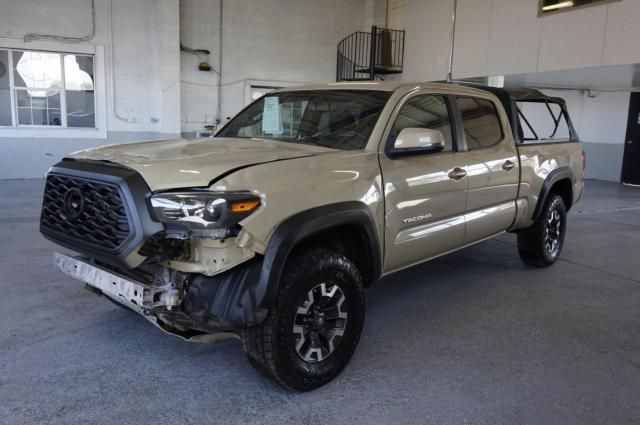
271	231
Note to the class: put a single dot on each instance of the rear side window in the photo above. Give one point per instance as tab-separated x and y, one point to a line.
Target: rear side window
542	122
480	121
425	111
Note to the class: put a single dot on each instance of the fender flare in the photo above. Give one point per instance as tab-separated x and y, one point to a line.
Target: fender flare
561	173
307	223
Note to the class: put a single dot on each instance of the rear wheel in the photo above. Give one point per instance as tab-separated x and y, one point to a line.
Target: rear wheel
540	245
313	330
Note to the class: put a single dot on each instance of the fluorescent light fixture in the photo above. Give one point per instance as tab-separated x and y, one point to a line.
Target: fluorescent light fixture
560	5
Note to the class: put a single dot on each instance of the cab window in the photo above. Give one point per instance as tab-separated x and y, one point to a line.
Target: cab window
425	111
480	121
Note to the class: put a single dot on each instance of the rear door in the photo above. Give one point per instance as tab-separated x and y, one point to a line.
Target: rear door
631	161
492	167
425	193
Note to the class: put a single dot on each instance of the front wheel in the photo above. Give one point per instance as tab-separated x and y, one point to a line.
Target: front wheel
540	245
313	330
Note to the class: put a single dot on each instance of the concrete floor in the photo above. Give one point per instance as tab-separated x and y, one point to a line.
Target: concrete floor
475	337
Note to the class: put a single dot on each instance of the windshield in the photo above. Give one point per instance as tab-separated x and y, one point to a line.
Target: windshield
339	119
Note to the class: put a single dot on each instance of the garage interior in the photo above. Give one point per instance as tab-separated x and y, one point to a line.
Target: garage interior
472	337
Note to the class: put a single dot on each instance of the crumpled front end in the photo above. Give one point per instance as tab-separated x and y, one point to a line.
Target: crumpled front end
194	308
189	284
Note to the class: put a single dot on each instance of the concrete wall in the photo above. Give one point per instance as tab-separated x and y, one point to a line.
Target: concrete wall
375	13
146	88
502	37
273	43
396	13
600	119
136	74
601	123
428	28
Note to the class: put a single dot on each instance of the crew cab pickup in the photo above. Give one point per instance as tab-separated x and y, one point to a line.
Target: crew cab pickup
271	231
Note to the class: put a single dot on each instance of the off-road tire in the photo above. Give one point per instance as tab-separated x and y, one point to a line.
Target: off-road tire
271	346
534	242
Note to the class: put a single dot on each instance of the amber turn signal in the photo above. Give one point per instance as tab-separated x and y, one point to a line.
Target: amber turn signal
245	206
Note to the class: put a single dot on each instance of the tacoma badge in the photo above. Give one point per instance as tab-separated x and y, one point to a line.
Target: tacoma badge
417	218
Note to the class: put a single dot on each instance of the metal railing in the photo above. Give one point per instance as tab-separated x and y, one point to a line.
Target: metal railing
364	56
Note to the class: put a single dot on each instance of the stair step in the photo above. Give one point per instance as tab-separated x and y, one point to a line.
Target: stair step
355	79
381	70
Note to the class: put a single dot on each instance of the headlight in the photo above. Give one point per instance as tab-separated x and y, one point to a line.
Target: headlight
210	214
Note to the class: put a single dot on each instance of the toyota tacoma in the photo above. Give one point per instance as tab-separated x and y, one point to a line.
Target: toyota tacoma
271	231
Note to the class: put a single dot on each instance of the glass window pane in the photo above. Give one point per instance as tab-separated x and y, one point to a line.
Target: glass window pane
24	116
53	101
37	70
5	94
39	116
49	117
79	78
340	119
38	107
480	121
39	102
425	111
5	107
54	117
4	69
257	91
23	99
80	109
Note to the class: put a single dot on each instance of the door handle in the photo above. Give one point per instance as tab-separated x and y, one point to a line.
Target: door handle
457	173
508	165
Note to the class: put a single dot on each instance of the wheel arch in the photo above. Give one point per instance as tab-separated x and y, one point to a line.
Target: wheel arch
559	181
344	221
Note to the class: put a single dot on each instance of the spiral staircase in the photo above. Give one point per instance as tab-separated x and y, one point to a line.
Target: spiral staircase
369	56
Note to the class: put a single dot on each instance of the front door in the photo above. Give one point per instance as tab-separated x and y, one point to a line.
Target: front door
631	160
425	194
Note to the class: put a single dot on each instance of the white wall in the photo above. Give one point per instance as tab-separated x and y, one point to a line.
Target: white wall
600	118
396	14
428	28
156	91
506	37
502	37
275	41
375	13
140	99
199	29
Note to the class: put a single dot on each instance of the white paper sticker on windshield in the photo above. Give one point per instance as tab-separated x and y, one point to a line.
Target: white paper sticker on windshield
271	122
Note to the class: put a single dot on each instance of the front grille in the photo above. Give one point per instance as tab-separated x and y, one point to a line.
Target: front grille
85	212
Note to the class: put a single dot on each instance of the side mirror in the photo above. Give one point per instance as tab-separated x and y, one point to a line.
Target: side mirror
419	140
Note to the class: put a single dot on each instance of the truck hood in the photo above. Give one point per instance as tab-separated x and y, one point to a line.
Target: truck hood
183	163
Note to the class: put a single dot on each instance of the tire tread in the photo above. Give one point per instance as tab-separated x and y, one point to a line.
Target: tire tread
258	341
531	240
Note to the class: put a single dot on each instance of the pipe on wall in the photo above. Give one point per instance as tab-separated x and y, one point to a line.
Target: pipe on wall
219	111
64	39
453	41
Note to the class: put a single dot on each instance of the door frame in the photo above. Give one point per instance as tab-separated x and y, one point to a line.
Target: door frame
385	145
633	115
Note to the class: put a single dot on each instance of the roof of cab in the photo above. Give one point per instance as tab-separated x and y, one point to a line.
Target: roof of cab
364	85
515	93
379	85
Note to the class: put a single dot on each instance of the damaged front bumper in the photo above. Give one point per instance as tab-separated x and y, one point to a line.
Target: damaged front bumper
158	304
